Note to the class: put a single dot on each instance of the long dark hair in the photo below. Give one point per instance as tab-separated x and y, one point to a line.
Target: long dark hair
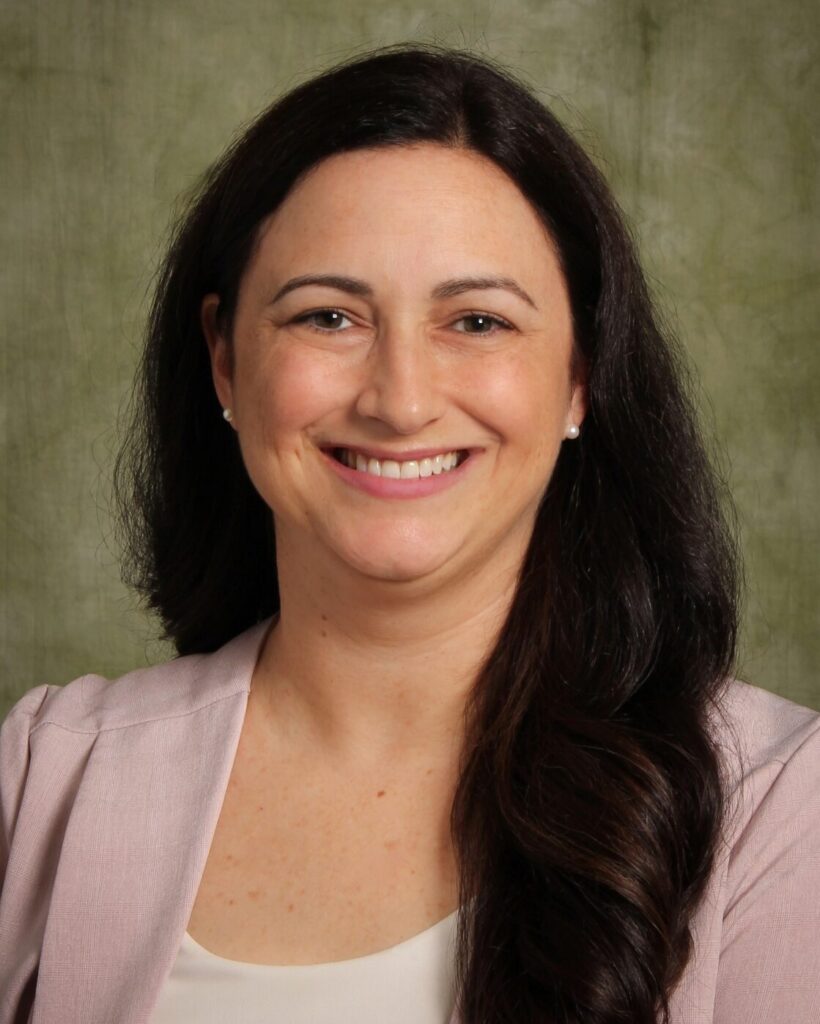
591	794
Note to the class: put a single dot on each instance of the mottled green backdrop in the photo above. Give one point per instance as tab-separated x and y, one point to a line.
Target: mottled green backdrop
703	114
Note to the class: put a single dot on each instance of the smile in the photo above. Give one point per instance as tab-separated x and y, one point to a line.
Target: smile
392	478
411	469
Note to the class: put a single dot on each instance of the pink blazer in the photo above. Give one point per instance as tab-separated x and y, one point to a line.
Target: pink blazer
110	793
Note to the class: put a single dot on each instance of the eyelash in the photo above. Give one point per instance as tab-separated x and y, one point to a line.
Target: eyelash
500	324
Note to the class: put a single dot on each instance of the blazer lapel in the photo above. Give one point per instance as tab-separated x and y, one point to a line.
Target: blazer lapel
137	841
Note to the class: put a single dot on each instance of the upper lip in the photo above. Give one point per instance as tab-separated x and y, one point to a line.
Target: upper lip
403	456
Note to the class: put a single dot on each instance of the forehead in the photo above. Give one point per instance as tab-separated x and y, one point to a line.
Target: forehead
422	208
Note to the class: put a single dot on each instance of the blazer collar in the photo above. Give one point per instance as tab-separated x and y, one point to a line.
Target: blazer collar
137	840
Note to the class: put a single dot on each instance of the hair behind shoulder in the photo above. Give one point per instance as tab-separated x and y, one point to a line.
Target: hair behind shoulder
589	802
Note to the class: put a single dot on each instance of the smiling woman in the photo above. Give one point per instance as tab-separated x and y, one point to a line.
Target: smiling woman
415	485
398	382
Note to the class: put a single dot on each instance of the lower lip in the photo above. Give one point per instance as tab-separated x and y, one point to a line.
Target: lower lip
387	487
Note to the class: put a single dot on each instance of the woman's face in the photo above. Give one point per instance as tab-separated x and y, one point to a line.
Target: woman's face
411	352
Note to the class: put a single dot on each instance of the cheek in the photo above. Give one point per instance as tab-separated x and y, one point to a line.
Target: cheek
286	392
523	400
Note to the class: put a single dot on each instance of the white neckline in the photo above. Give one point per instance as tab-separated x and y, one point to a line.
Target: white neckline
419	938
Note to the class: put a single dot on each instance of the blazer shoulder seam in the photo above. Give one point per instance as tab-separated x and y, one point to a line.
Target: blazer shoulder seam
147	720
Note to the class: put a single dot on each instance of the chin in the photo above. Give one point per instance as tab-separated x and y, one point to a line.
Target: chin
393	566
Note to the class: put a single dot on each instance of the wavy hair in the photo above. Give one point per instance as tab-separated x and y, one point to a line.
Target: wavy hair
590	798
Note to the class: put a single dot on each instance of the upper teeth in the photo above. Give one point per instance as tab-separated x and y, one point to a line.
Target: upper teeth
410	470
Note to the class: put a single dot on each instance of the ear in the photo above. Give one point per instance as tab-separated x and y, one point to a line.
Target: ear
579	398
219	349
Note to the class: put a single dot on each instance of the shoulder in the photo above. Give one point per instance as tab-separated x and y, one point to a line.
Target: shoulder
770	748
755	929
49	738
92	703
762	728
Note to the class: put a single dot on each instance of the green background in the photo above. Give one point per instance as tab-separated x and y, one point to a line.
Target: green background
703	115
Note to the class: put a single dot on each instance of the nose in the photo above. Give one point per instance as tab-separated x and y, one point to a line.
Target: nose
401	386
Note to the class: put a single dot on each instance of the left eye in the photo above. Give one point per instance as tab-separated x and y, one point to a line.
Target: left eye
485	318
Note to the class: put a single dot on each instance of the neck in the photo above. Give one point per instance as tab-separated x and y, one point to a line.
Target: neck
365	670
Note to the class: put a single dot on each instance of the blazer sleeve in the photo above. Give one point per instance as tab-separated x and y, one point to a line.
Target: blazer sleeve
769	966
14	762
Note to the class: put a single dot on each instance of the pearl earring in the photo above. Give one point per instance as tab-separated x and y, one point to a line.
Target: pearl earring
573	431
227	415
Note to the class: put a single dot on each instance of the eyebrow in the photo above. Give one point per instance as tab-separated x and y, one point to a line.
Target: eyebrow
453	286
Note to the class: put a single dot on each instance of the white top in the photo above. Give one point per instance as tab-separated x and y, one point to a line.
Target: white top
410	983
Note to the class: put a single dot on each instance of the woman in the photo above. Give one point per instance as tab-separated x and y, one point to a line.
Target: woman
416	487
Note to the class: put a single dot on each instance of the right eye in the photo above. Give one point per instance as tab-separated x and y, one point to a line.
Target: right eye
309	319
